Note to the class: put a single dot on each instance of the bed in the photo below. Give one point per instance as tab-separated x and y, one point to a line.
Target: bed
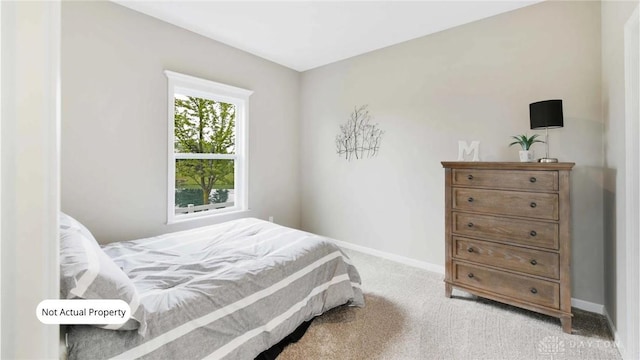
227	291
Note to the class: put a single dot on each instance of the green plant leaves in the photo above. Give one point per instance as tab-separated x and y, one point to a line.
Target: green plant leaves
525	142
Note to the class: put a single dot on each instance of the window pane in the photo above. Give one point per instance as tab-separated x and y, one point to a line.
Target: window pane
204	185
203	125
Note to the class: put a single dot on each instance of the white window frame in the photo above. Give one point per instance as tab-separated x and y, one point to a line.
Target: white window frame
207	89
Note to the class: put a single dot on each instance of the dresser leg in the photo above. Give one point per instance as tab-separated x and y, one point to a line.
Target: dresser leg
566	324
447	290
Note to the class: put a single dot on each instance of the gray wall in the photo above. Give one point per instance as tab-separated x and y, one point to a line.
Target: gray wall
614	16
473	82
114	120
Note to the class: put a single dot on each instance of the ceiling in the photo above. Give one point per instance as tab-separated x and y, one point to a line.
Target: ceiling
303	35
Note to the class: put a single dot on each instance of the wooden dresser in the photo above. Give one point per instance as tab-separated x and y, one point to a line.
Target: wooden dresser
508	234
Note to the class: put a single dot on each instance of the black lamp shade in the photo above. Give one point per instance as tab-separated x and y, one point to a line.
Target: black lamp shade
546	114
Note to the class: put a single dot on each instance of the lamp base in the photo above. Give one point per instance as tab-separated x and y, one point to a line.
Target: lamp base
548	160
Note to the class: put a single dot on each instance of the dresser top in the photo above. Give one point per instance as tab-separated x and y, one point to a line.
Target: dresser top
507	165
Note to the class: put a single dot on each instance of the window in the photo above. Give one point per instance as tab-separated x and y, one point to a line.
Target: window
207	147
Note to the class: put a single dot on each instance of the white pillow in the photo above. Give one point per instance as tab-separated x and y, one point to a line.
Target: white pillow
87	272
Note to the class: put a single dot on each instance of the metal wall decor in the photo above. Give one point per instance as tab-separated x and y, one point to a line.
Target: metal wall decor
358	138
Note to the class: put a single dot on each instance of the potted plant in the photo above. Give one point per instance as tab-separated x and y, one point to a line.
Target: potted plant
526	154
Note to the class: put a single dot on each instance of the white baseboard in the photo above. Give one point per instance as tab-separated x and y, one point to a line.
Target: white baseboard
577	303
393	257
588	306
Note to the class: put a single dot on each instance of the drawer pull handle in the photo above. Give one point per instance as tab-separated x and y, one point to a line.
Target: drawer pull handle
470	249
470	199
533	233
470	177
532	179
534	291
470	275
533	204
470	225
534	262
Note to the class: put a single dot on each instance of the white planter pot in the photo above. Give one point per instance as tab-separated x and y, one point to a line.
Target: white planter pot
526	156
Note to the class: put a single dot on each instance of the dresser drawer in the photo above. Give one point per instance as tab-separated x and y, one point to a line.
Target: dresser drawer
524	232
532	205
507	179
515	258
523	288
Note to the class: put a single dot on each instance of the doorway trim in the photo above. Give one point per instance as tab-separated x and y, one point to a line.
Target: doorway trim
632	159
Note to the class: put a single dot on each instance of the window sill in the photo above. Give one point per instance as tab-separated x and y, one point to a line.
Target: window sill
217	215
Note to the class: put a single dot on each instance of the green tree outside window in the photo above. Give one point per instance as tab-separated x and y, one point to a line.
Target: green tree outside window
203	126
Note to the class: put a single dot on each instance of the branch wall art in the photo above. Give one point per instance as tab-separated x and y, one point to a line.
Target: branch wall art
358	138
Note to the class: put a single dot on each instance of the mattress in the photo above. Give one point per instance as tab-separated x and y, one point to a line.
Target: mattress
227	291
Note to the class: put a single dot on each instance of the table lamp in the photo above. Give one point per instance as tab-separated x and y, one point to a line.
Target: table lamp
546	114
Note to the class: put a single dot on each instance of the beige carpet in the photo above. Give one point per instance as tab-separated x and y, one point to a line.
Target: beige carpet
407	316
